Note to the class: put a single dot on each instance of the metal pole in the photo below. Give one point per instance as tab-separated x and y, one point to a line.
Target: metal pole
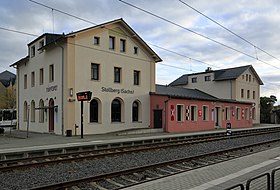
82	117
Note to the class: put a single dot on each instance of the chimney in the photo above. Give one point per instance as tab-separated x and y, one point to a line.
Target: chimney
208	69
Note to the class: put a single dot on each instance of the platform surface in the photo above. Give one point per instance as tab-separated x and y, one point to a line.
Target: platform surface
15	140
222	175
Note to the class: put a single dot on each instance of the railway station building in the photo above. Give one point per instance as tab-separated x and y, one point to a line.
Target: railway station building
118	67
110	60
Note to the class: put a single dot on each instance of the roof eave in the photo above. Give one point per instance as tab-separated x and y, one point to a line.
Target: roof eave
21	61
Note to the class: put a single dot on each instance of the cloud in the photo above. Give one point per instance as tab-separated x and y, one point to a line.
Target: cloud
254	20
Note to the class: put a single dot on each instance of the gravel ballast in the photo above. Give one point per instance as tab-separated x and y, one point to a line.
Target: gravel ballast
38	176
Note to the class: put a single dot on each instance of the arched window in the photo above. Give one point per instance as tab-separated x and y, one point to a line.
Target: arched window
93	110
135	111
25	111
32	111
116	109
41	111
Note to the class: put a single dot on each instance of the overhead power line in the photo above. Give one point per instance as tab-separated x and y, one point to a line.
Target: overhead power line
230	31
88	47
53	9
182	55
201	35
19	32
88	21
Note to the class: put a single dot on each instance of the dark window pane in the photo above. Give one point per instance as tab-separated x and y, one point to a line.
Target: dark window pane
93	111
116	111
135	110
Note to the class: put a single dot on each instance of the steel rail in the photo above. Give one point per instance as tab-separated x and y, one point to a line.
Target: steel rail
7	165
75	182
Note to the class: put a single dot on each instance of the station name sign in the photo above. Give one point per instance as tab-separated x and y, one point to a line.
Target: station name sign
84	96
51	88
117	90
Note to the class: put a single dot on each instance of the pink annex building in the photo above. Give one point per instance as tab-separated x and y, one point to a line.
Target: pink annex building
193	110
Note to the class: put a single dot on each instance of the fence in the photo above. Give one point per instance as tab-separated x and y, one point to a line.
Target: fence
269	181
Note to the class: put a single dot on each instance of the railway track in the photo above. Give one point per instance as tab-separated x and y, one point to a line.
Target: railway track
35	160
142	174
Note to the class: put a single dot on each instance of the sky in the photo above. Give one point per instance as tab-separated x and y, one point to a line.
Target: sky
186	41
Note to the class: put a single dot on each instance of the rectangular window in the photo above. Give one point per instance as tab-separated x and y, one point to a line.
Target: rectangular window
96	40
246	77
207	78
179	112
227	113
117	74
136	77
51	73
242	93
249	78
193	113
247	114
32	79
94	71
41	76
111	42
25	81
254	95
122	45
205	113
238	113
32	51
41	44
135	50
248	94
194	80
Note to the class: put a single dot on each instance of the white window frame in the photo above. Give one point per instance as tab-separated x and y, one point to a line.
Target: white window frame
181	114
227	113
193	114
205	116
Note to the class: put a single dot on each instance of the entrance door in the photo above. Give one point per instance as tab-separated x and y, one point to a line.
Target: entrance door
157	118
51	115
218	118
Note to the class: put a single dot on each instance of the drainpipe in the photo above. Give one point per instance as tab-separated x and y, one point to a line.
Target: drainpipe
230	89
62	88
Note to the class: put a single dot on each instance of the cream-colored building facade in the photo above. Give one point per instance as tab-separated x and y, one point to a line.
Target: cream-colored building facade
110	60
239	84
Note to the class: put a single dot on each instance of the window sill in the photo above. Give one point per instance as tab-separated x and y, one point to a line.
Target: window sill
92	123
95	80
136	121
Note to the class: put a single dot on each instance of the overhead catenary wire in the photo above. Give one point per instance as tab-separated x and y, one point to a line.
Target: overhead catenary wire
90	22
201	35
182	55
230	31
88	47
20	32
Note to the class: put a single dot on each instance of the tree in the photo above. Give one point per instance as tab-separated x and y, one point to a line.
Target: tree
266	107
8	99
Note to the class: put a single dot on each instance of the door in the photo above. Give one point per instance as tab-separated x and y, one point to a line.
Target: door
218	117
157	118
51	115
